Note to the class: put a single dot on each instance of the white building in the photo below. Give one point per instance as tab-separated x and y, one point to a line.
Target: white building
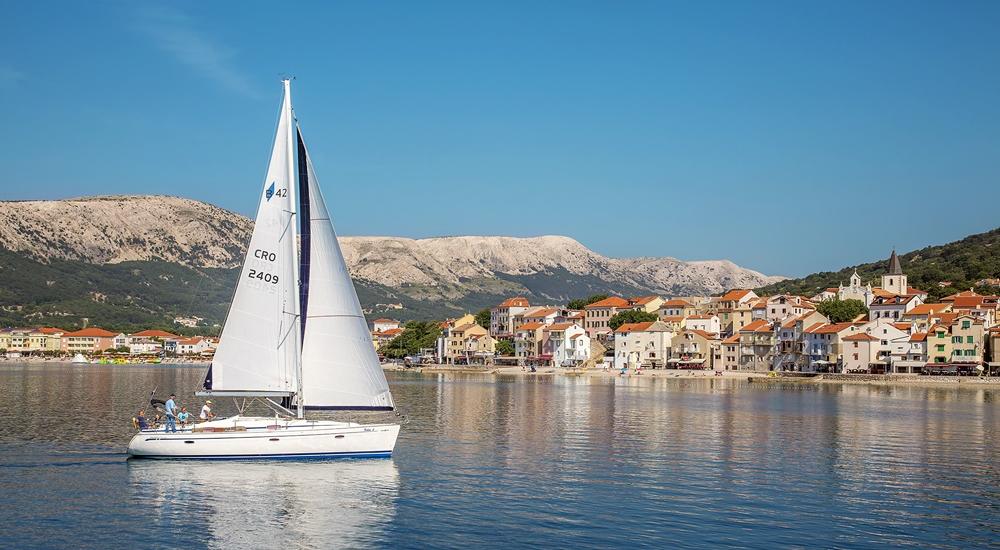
192	346
706	323
382	325
643	344
568	344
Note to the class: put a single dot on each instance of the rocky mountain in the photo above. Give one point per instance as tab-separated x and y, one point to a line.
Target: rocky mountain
175	244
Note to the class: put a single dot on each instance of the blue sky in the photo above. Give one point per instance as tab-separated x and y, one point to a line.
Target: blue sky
789	137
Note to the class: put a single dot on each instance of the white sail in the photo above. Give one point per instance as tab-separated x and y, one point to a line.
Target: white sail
258	347
340	369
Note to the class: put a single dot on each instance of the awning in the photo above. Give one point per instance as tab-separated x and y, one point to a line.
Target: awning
674	360
693	361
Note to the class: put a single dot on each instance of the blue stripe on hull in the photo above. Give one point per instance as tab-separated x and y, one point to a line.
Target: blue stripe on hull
290	456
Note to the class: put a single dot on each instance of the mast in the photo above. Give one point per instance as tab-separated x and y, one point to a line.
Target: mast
293	226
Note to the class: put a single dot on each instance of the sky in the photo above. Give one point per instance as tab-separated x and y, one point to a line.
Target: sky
789	137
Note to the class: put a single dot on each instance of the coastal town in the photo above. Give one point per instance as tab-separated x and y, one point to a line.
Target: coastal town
900	333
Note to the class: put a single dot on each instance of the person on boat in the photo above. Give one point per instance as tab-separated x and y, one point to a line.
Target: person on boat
140	420
183	416
206	412
171	411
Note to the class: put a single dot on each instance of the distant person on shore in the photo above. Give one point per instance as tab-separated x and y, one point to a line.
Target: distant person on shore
183	416
171	411
206	412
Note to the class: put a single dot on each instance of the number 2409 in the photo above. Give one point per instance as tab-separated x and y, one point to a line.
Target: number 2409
266	277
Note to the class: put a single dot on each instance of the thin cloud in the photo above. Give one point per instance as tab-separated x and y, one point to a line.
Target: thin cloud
177	34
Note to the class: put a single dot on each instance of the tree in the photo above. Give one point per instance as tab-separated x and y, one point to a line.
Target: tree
581	303
841	311
416	335
631	316
505	348
122	349
483	318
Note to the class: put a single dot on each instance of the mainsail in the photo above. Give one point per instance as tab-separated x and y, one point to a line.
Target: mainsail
259	345
340	369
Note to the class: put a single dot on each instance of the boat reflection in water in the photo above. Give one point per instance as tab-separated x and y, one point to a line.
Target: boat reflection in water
269	504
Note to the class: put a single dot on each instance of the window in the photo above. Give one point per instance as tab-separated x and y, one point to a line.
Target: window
940	347
855	356
966	324
968	339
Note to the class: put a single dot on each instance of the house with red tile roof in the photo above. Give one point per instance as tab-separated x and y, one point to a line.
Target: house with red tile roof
598	315
643	344
88	340
707	323
694	349
567	344
649	304
860	353
757	345
676	307
528	343
502	316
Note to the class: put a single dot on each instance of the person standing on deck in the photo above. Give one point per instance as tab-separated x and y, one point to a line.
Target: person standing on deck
171	409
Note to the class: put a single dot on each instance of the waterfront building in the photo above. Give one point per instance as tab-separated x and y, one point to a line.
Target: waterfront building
567	344
860	351
757	346
994	357
893	343
914	357
528	342
88	340
502	316
598	314
730	348
192	346
693	349
643	344
467	341
144	346
960	342
824	345
790	353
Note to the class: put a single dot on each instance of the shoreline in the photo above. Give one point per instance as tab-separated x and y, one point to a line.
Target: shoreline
910	380
755	377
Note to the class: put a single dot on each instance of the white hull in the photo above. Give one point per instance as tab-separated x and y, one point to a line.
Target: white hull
267	438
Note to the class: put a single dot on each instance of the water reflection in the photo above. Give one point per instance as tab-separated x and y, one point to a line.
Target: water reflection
297	504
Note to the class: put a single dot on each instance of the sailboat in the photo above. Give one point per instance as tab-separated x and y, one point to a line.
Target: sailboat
295	337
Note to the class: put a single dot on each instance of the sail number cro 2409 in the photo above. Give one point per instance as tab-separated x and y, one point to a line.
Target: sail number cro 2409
260	275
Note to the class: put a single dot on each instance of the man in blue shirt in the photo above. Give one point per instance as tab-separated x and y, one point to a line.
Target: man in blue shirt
171	408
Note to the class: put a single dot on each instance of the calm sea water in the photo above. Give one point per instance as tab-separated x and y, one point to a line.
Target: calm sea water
542	462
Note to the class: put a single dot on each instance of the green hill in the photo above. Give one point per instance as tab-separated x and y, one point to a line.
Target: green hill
962	264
